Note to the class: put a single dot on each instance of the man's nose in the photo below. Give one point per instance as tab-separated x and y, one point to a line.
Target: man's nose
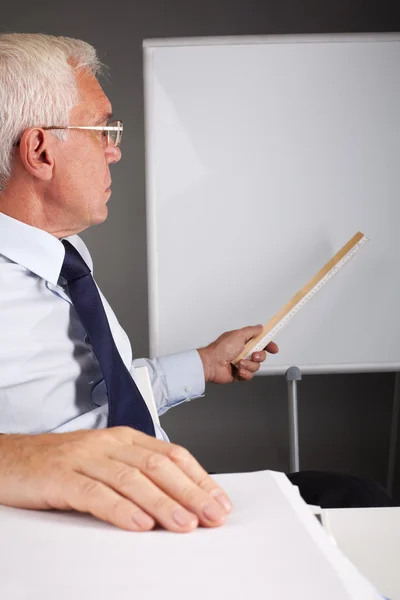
113	154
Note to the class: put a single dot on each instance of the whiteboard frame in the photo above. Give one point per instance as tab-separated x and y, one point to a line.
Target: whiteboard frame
271	39
152	259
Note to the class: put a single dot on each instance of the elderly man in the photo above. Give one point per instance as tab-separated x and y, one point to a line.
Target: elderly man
65	362
77	433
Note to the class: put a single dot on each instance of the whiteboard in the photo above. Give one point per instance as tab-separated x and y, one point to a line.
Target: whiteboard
264	156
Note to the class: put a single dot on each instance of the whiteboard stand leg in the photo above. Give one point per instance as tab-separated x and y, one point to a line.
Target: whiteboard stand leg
293	375
393	435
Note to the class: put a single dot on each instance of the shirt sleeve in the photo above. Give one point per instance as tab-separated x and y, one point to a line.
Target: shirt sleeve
175	378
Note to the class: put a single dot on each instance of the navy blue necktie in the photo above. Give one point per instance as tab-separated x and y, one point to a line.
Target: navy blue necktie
125	403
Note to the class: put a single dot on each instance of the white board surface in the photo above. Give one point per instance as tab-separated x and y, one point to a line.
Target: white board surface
264	156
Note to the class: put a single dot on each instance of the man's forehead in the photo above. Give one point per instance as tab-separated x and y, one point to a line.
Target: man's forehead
93	102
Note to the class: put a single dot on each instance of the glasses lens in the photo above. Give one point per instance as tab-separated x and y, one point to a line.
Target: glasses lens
115	135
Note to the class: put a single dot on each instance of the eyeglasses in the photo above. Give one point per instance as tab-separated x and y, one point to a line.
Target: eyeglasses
112	132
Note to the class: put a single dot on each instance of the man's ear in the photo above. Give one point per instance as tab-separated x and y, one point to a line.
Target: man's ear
36	153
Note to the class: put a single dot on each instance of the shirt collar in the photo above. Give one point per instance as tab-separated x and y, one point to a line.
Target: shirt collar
34	249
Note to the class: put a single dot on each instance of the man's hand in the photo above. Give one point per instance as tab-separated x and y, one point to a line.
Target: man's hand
217	356
119	475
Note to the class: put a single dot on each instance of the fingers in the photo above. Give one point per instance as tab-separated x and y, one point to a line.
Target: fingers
90	496
246	369
259	357
272	348
163	479
177	454
118	475
179	461
251	331
131	485
160	489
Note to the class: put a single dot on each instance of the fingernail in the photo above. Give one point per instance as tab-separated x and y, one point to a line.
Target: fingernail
183	518
222	499
213	512
143	520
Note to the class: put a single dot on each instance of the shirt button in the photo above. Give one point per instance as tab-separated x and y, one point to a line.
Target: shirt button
187	389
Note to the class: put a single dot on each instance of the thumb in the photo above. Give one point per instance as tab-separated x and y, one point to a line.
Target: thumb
251	331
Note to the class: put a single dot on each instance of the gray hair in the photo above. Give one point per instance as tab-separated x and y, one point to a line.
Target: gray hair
37	86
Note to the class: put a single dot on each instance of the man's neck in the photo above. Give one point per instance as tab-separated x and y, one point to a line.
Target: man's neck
27	207
23	206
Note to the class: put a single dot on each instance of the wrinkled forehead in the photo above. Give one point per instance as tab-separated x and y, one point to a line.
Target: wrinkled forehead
93	105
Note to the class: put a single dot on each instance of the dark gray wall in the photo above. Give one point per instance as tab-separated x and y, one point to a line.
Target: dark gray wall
344	420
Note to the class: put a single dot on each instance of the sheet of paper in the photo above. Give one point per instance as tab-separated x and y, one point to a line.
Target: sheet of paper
271	547
142	379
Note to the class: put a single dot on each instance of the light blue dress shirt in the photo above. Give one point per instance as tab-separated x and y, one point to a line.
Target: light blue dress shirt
50	380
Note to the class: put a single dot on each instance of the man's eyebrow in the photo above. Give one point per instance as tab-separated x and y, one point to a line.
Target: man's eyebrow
106	117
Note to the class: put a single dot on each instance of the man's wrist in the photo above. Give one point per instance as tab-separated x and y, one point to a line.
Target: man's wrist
207	364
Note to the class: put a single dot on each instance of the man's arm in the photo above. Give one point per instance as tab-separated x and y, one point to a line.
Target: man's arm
179	377
119	475
175	378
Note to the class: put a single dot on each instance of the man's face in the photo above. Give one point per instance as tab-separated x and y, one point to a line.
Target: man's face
81	185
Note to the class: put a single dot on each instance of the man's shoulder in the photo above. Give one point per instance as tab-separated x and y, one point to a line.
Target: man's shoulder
83	250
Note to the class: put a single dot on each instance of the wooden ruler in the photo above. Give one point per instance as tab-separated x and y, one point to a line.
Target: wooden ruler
282	317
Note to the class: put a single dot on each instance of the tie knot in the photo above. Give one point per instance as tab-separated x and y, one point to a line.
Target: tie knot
74	267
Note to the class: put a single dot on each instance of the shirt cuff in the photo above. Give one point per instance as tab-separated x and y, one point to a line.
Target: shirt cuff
184	376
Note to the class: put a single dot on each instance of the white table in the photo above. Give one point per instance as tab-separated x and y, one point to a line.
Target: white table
270	535
370	538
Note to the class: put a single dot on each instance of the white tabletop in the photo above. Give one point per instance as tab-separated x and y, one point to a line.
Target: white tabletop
272	546
370	538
